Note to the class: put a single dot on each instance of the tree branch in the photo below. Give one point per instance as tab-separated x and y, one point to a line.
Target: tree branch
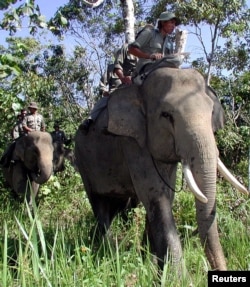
93	3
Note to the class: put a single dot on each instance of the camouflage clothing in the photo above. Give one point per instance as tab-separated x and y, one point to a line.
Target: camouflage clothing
18	130
109	81
125	61
34	122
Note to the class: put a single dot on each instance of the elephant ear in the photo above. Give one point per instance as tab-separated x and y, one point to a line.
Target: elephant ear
218	116
125	114
20	148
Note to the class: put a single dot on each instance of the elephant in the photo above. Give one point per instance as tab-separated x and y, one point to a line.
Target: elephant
60	154
171	118
34	158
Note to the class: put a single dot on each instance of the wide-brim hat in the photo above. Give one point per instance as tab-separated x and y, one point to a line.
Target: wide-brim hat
166	16
33	105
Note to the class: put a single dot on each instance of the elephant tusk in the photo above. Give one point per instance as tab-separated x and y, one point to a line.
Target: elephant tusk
192	184
230	178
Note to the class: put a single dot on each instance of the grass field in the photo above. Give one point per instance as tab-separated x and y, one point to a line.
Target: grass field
53	245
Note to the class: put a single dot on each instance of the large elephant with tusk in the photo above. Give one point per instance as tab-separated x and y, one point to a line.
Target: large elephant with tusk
171	118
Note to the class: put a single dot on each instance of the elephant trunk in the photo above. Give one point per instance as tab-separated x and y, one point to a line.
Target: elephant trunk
202	159
206	216
45	170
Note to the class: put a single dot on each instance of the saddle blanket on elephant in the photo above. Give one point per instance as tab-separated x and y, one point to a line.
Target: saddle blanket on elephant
170	61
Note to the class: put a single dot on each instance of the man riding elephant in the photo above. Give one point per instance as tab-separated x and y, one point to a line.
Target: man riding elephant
32	121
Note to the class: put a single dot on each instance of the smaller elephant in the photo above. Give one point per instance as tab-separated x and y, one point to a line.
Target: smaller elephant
32	164
60	154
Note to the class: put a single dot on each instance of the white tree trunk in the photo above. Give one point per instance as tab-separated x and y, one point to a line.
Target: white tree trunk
180	44
129	20
180	41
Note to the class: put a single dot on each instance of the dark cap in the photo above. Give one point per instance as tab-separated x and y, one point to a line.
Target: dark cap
33	105
166	16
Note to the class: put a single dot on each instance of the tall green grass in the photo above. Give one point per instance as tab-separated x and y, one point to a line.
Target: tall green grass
52	245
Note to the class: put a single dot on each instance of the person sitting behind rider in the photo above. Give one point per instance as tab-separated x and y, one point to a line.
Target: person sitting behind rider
33	120
17	130
116	75
59	136
16	133
153	44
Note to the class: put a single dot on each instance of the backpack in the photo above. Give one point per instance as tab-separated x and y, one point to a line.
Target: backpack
147	26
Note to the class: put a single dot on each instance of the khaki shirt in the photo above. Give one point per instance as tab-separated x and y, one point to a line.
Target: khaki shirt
17	130
34	122
151	41
109	81
125	61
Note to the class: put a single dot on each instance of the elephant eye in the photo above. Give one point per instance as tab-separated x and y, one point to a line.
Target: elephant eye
167	116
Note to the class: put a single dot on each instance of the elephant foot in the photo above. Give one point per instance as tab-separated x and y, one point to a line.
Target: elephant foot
84	127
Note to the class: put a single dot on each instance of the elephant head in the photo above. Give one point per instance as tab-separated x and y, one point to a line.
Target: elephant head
36	152
173	116
33	160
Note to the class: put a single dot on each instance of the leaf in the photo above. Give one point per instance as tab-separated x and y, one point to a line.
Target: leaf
16	106
57	184
46	190
63	20
27	10
43	25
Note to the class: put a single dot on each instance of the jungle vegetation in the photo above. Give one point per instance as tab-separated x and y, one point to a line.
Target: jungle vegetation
53	246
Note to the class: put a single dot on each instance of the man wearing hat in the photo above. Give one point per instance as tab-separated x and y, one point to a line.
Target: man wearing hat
153	44
33	121
59	136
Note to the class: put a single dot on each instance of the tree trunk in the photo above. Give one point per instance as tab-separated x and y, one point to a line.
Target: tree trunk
129	20
180	42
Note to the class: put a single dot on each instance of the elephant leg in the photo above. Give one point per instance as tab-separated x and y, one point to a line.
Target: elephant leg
105	209
162	233
19	179
157	200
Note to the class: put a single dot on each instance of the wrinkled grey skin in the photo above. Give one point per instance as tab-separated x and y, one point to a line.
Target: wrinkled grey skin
33	157
173	121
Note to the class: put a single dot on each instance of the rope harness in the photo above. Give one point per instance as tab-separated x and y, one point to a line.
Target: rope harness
166	181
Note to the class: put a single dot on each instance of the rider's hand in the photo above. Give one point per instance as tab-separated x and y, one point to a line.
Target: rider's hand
126	80
156	56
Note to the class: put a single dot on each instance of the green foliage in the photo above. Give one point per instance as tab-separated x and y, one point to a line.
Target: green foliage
233	140
4	4
8	66
53	246
45	75
13	17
